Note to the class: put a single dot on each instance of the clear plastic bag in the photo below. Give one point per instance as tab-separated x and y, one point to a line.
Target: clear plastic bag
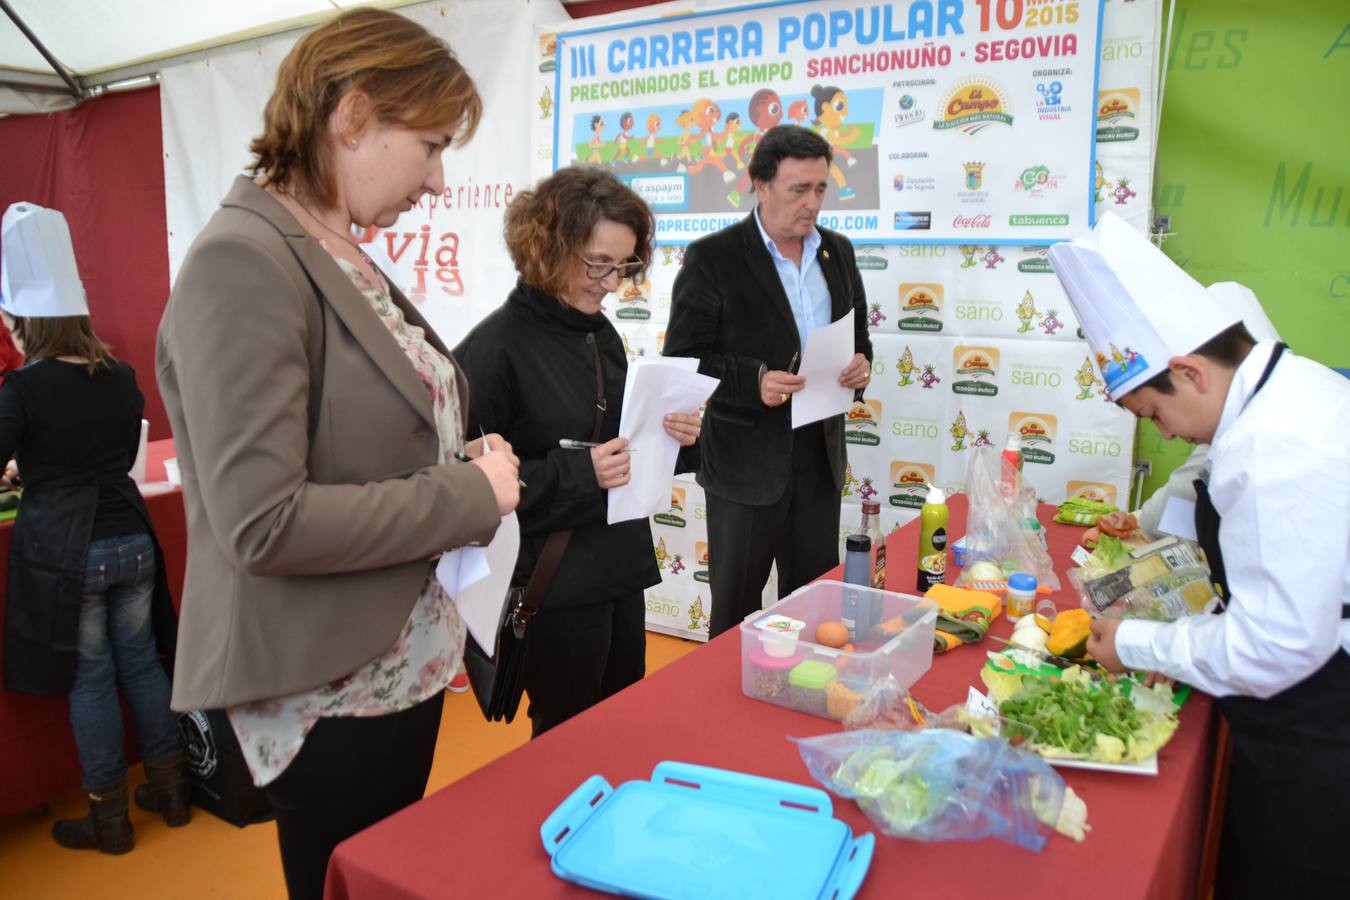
995	535
938	785
1166	581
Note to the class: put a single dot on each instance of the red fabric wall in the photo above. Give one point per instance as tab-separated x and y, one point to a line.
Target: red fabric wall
101	164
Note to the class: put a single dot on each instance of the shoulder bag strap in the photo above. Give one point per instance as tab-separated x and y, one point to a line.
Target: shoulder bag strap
556	543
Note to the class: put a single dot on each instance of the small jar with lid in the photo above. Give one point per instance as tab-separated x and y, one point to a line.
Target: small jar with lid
1021	595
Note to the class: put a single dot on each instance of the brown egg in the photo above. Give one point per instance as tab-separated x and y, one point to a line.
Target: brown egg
831	633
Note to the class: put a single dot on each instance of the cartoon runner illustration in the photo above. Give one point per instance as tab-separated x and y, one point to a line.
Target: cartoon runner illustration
831	105
621	150
730	129
686	122
766	111
653	128
706	114
597	125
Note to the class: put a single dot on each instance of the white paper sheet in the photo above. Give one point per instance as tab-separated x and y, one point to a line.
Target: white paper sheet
476	578
1178	518
828	351
654	388
138	465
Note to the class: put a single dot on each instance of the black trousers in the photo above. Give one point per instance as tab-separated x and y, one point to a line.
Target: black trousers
350	773
800	532
578	656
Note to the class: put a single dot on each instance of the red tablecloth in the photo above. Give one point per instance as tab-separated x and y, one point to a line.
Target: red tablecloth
479	837
37	749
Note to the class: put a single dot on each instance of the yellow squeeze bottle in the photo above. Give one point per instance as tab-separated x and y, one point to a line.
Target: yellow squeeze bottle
932	540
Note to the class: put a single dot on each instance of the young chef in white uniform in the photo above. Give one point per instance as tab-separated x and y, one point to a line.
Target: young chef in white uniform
1273	514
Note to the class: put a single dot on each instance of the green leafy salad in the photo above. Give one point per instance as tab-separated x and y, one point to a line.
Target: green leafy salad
1074	716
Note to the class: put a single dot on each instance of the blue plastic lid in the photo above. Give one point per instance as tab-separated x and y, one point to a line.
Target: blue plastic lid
1022	581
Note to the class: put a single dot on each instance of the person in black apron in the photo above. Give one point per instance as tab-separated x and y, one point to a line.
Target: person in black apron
1290	759
1170	350
87	606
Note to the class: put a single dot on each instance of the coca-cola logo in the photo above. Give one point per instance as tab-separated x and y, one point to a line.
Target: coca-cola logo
981	221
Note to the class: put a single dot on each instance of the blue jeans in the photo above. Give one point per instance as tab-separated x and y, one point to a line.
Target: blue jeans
117	649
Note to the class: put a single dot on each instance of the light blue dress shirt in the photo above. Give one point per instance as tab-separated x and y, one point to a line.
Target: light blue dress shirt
808	296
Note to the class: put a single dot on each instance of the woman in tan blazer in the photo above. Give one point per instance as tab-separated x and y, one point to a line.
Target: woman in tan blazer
317	418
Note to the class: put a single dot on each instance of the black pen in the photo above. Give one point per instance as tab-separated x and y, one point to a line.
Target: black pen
464	457
792	366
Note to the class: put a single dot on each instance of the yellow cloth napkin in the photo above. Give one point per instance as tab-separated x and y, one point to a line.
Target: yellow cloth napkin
964	616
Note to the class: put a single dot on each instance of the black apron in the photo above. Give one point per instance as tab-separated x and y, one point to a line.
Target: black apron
45	588
1287	822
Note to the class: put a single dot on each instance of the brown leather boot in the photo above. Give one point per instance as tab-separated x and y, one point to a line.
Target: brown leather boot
107	827
167	790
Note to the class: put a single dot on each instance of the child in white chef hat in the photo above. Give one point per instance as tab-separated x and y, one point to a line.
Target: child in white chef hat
1273	514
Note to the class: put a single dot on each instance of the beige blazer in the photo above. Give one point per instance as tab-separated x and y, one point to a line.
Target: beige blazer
308	455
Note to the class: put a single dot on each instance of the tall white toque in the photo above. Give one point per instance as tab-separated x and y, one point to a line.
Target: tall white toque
1138	309
38	275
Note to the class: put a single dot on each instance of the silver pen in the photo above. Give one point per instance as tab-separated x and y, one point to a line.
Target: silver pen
569	444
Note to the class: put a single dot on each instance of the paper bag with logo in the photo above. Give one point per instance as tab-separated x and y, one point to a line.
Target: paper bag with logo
217	772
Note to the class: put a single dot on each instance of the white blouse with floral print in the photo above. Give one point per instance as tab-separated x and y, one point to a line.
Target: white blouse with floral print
428	651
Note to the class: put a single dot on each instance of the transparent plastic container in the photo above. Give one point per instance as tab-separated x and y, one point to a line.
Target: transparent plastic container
892	645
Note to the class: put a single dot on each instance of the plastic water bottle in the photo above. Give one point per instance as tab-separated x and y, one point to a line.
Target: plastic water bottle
857	571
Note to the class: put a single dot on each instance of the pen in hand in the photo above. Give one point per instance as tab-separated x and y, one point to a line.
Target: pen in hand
464	457
569	444
792	365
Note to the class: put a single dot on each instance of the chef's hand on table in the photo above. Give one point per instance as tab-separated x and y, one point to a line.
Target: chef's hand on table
683	427
10	479
1101	644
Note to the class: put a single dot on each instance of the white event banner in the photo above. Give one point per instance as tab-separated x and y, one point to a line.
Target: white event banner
951	121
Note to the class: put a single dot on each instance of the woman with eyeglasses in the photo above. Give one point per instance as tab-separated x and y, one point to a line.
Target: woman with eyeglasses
533	365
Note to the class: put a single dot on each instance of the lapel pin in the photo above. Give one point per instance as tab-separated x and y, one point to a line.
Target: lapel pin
825	253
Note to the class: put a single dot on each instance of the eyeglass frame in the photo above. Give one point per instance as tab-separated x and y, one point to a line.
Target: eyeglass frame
639	274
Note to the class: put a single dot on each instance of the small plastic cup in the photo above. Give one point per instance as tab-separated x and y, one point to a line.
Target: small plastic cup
778	635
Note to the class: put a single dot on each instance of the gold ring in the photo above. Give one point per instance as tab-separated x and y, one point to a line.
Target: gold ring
782	398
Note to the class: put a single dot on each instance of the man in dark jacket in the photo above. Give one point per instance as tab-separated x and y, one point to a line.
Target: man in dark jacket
743	304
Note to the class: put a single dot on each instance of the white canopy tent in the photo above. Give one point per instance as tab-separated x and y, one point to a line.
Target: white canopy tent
55	53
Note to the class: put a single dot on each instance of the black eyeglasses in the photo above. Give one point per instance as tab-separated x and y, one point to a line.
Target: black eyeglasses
598	271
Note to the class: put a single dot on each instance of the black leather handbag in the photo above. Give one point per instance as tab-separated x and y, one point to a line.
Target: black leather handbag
498	680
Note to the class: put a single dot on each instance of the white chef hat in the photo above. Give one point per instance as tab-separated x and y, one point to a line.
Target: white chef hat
1138	309
1241	301
38	275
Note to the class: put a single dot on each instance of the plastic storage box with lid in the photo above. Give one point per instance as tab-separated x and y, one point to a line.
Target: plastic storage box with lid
896	649
705	834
